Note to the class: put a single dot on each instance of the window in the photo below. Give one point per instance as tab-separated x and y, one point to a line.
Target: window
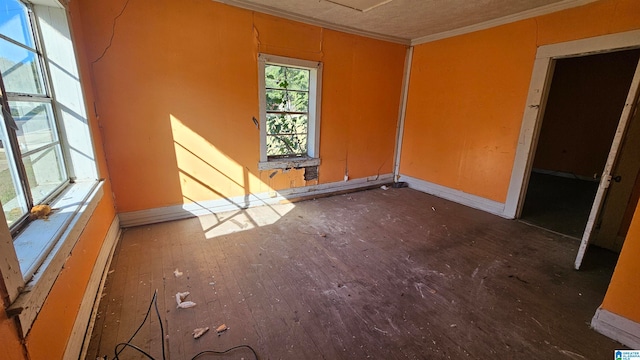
46	152
289	112
32	166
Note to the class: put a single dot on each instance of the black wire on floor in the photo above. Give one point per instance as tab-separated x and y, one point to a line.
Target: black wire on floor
154	302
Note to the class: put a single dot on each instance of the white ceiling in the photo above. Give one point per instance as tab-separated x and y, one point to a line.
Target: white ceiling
407	21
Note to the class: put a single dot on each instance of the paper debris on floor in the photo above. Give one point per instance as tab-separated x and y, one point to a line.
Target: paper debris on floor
199	332
177	273
180	297
222	328
186	304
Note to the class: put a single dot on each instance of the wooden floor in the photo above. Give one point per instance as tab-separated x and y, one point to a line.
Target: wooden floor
393	274
558	203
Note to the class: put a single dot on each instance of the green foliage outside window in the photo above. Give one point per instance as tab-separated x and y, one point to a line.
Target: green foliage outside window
287	97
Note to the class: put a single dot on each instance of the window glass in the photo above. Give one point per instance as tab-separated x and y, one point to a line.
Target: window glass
13	202
14	22
287	106
35	124
20	69
34	169
286	134
45	172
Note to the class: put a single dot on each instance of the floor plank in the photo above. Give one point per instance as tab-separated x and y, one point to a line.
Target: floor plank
393	274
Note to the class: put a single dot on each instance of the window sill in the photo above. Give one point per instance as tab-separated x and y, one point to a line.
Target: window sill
288	163
43	247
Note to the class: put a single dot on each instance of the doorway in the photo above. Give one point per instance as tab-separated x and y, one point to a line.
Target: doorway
584	104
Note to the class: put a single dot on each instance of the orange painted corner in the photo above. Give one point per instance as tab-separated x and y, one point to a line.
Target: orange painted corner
623	293
464	109
467	95
179	128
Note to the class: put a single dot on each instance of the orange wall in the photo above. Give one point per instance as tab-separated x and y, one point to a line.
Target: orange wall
467	95
623	295
465	105
177	90
50	332
10	346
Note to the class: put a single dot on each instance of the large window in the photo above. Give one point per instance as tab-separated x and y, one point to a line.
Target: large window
32	166
290	111
46	152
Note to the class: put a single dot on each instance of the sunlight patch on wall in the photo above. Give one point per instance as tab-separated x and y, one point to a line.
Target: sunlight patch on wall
206	173
210	181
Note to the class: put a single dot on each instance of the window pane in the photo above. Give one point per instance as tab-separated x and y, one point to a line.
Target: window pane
297	79
274	77
13	201
14	22
297	101
276	100
286	124
288	97
289	101
45	172
300	123
295	144
282	77
35	124
20	69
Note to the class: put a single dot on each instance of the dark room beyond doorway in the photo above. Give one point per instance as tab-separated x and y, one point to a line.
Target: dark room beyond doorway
583	109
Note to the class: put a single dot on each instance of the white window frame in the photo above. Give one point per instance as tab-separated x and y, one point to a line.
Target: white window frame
315	97
32	260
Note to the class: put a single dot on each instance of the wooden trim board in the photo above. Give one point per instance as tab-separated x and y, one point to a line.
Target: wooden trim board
177	212
79	340
458	196
617	328
402	111
529	133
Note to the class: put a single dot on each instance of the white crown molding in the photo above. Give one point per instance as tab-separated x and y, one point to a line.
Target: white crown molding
307	20
543	10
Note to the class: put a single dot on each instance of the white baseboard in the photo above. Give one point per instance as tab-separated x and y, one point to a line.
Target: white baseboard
458	196
83	326
617	328
177	212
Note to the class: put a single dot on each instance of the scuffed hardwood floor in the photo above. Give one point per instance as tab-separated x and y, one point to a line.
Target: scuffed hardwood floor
393	274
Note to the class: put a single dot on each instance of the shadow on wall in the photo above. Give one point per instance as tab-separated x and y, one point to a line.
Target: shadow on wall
205	172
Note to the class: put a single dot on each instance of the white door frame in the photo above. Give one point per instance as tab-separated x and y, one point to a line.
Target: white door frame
536	100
